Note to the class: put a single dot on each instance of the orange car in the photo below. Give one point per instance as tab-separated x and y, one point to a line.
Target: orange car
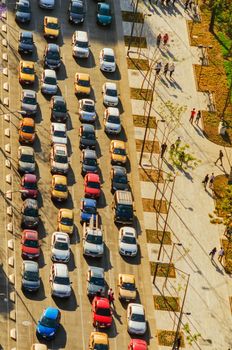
27	130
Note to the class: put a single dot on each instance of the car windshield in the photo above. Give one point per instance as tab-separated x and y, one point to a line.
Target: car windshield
104	11
77	9
31	276
137	318
111	92
30	185
31	243
27	158
67	221
108	58
120	151
29	100
128	240
97	281
61	187
88	108
113	119
31	212
88	135
60	107
59	133
61	245
94	239
125	209
28	70
53	55
120	179
90	210
52	25
93	184
48	322
90	161
61	159
26	40
62	280
85	83
23	8
82	44
28	129
103	312
128	286
50	80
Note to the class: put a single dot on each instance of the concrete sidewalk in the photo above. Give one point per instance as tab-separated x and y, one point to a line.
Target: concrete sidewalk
210	287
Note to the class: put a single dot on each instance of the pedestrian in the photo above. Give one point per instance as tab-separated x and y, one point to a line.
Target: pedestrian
221	155
192	115
171	69
198	117
177	143
165	38
186	4
211	181
205	180
212	253
172	148
158	40
163	149
111	296
221	253
166	67
158	68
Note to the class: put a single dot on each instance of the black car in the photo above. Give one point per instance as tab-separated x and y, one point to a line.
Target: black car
76	11
89	162
119	180
26	42
87	136
58	109
30	213
23	11
52	58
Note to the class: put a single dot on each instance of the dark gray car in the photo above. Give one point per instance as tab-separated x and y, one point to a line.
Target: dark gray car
119	180
26	42
87	136
89	162
58	109
52	58
23	11
30	213
95	281
30	276
76	11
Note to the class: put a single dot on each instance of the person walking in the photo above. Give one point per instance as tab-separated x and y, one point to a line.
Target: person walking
211	181
171	69
177	143
205	180
158	68
165	38
192	115
198	117
163	150
111	296
166	67
158	39
212	253
221	254
220	157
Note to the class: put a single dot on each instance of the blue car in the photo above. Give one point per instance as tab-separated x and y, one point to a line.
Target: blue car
49	323
23	11
26	42
88	208
104	16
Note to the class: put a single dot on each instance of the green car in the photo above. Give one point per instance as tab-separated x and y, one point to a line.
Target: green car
104	16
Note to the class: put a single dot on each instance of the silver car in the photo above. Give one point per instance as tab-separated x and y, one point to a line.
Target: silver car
59	133
93	244
47	4
128	241
60	250
136	321
95	281
29	102
30	276
26	159
49	82
110	94
60	282
112	121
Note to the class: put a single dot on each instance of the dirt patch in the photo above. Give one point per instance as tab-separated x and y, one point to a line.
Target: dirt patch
159	206
129	16
166	303
141	94
135	41
150	175
166	338
154	236
141	121
150	146
227	245
136	63
163	269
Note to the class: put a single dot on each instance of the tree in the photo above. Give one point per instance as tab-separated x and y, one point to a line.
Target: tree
181	158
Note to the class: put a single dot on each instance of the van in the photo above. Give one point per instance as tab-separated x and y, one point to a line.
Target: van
123	207
80	43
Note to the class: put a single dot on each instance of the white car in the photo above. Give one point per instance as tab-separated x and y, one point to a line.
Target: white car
49	82
59	133
112	122
107	60
60	251
93	244
87	112
59	159
110	94
59	280
47	4
136	322
128	241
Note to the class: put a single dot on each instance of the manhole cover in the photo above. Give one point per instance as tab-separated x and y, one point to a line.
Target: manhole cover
26	323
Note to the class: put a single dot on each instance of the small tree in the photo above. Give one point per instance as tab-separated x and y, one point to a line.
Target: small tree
181	158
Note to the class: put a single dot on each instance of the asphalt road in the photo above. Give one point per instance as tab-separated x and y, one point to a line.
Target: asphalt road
76	321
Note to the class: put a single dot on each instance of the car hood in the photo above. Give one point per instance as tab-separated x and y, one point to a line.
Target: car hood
102	319
88	115
104	19
128	247
90	168
52	32
65	228
110	99
62	140
28	166
108	64
60	288
81	49
127	293
28	107
45	330
92	190
25	46
60	254
113	126
60	166
59	114
48	87
32	284
88	142
87	216
92	288
23	15
30	250
33	219
137	326
52	61
94	248
120	186
76	16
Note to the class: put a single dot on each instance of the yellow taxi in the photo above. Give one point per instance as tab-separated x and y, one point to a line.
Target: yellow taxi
98	340
51	27
65	220
26	72
118	152
59	188
82	84
126	287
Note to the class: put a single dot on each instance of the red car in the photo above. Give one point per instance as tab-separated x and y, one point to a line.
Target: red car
137	344
30	244
102	314
29	186
92	185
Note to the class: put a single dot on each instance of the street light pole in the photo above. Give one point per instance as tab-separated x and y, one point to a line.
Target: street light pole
133	25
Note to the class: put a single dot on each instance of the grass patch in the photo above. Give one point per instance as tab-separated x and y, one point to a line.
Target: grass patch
129	16
150	175
227	245
149	147
136	63
166	303
141	94
141	121
220	182
135	41
162	269
150	205
154	236
166	338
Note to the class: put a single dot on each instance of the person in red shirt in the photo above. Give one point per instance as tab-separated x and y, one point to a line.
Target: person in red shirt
192	115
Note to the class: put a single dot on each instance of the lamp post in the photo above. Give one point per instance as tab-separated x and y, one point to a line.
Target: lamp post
170	261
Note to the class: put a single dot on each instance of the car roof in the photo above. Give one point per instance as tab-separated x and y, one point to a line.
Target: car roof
102	302
30	178
31	234
119	144
93	177
30	265
26	34
96	271
88	127
119	170
29	93
50	73
110	85
61	270
51	312
67	212
57	98
113	111
89	202
60	179
26	150
89	153
137	308
53	47
32	203
108	51
127	278
59	126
